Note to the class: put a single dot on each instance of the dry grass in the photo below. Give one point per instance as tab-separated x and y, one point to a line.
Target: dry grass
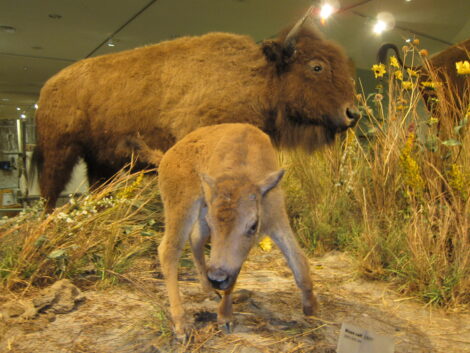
93	237
395	192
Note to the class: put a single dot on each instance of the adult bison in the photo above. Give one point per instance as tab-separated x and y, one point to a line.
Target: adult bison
297	88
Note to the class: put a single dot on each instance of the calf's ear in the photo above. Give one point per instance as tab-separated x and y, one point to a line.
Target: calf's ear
270	181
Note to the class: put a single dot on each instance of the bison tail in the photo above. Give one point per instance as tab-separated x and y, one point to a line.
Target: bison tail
35	167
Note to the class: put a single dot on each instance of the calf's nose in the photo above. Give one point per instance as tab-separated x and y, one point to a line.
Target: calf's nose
218	278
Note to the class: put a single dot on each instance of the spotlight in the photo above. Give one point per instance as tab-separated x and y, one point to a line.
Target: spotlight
379	27
385	22
326	11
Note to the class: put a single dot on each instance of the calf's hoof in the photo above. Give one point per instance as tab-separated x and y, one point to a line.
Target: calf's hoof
310	305
227	327
182	332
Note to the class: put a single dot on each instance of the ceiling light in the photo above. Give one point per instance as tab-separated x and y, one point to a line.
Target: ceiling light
18	108
111	43
23	116
7	29
379	27
385	21
326	11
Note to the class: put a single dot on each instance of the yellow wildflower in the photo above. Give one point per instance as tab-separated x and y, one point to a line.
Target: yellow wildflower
410	169
433	120
379	70
406	84
430	84
463	67
398	75
458	181
412	73
394	62
126	192
423	52
266	244
401	107
416	41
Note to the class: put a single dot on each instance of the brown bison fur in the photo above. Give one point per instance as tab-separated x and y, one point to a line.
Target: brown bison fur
107	108
222	181
441	66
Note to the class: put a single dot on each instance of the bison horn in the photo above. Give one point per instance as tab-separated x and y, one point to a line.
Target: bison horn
289	42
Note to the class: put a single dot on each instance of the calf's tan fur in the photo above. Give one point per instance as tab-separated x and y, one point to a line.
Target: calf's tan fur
222	182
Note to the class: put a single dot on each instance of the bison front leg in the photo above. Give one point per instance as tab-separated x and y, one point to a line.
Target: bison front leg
225	312
278	228
179	220
199	239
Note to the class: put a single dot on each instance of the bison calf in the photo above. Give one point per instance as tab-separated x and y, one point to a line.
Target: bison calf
224	179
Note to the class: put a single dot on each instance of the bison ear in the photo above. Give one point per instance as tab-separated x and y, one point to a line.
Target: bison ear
270	181
277	53
272	50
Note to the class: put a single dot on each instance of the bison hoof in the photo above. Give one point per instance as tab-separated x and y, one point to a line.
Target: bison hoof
182	333
311	306
183	337
227	327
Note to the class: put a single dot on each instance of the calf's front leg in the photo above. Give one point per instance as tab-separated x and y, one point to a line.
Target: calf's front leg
179	222
278	228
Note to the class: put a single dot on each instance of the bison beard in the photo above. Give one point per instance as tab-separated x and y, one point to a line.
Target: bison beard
142	101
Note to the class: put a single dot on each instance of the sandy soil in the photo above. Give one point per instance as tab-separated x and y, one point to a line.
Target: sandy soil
134	318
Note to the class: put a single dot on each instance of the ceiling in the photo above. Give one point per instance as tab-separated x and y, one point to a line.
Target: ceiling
51	34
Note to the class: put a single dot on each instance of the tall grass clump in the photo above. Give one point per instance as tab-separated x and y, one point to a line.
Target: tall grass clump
94	237
395	192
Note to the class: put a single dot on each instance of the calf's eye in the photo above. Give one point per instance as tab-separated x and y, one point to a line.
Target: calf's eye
253	229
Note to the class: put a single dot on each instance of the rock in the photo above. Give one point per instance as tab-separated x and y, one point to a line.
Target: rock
17	309
13	309
60	298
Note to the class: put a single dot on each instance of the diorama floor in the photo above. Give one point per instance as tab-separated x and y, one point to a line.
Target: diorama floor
133	317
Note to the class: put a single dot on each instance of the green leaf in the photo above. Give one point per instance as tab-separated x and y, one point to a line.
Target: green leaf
127	230
56	254
146	234
40	241
452	143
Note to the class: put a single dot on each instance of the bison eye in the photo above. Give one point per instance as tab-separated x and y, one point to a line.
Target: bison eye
253	229
316	65
317	68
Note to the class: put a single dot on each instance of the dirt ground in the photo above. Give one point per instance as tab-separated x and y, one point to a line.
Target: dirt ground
134	317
